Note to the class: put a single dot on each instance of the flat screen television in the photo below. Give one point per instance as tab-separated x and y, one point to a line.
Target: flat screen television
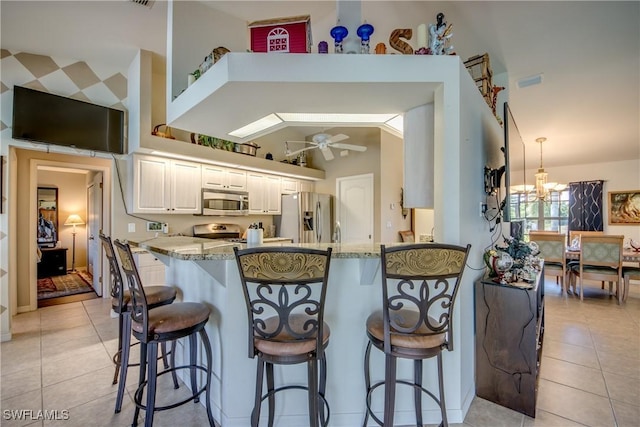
52	119
514	154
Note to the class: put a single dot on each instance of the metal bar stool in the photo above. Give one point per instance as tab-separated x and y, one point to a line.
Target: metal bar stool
120	303
284	290
159	325
419	286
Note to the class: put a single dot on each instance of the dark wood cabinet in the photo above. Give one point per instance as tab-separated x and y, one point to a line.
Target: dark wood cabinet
509	333
53	262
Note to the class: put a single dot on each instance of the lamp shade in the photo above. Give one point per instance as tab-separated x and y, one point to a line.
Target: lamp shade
74	219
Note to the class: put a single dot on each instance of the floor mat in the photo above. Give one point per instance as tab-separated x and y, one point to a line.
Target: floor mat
68	284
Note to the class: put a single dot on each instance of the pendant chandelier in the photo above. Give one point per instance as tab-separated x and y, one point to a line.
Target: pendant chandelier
542	187
541	176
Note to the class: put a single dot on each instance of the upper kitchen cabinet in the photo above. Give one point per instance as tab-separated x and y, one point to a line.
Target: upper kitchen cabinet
221	178
290	185
264	194
162	185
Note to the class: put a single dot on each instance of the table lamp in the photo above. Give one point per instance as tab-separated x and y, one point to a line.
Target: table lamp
74	219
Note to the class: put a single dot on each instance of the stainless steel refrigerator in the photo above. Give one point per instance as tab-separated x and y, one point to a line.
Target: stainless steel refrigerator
306	217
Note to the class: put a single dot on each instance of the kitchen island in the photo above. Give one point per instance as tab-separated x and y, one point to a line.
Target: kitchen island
205	270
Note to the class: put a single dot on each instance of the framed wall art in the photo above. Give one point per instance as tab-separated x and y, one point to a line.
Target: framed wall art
624	207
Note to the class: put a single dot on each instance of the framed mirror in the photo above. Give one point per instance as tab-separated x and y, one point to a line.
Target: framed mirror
47	217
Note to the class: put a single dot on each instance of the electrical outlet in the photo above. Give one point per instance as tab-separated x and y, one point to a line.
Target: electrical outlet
165	228
132	227
483	209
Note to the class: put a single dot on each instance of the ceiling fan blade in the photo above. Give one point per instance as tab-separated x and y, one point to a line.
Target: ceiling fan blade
350	147
326	152
302	142
337	138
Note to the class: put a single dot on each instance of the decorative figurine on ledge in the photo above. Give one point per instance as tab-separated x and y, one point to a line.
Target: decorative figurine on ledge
439	37
323	47
338	33
364	32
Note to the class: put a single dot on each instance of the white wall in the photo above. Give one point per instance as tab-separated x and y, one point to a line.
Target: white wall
391	157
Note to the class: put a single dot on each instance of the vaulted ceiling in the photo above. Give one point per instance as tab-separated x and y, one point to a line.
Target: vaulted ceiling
588	105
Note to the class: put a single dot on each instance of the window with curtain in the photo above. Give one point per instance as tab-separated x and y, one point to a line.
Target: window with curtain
585	206
551	214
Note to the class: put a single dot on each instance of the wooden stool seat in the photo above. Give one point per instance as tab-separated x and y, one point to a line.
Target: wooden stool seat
283	343
157	295
421	338
176	318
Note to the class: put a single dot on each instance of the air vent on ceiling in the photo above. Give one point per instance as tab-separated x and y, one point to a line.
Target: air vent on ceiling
146	3
530	81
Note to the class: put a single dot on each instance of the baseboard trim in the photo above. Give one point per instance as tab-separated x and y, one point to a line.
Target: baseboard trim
25	309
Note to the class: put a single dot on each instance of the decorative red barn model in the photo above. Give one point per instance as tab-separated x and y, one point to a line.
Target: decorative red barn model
289	35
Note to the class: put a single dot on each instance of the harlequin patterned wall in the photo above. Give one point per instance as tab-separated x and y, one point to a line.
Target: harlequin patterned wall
98	84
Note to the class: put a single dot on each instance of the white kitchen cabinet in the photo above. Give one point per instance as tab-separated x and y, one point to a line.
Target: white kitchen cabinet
289	185
150	268
292	185
162	185
308	186
217	177
264	193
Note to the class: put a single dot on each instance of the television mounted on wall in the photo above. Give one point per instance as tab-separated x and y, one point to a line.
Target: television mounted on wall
52	119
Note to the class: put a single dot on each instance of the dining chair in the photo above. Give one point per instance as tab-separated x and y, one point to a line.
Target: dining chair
579	233
552	249
284	290
415	320
600	259
629	274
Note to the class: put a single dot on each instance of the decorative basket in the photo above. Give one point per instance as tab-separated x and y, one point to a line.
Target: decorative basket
166	134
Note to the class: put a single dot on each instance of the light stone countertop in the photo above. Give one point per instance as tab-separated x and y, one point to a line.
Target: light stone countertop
198	249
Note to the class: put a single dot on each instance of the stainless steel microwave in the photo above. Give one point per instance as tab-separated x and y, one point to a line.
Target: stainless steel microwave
224	203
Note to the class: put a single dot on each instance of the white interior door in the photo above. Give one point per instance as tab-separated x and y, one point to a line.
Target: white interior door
354	208
94	224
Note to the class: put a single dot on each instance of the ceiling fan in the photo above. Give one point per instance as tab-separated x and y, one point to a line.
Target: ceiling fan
324	141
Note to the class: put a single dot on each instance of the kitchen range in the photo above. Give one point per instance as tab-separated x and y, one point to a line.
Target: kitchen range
228	232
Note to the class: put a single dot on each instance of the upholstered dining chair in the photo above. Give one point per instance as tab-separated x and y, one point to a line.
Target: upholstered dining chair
629	274
419	287
552	249
600	259
284	290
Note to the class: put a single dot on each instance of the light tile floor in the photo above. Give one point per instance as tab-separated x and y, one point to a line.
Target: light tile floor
60	359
